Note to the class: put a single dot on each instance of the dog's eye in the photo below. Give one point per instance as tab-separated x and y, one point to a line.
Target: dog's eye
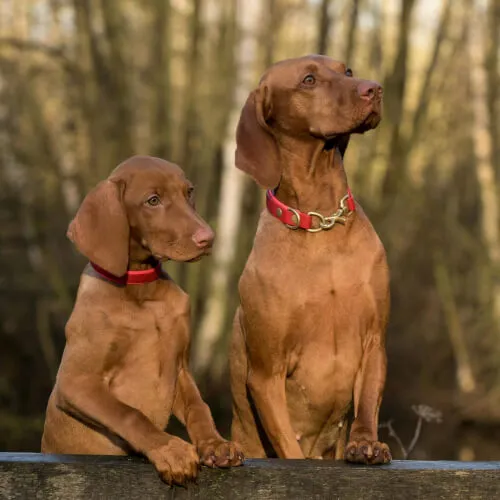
153	201
190	191
348	72
309	80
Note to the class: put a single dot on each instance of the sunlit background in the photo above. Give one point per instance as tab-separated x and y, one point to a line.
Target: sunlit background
86	83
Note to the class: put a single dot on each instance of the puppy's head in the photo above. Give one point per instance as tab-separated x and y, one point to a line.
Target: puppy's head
144	208
308	98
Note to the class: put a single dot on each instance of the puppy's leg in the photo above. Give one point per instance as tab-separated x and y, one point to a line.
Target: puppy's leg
194	413
87	399
364	446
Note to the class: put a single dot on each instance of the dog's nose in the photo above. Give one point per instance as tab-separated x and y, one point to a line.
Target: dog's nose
369	90
203	237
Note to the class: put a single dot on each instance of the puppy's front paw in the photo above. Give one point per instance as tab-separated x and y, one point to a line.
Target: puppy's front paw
176	461
367	452
220	453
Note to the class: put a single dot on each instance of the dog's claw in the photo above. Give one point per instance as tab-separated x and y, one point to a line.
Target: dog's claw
220	453
369	453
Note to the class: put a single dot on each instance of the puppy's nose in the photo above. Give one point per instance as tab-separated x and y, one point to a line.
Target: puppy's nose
369	90
203	237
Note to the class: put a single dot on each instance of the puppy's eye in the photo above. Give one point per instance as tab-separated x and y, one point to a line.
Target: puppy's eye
190	191
309	80
153	201
348	72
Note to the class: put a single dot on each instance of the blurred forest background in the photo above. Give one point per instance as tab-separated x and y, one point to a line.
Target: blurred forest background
86	83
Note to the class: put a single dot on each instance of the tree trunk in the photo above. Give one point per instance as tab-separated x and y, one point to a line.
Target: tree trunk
272	24
231	196
464	375
424	97
483	153
492	69
325	22
118	79
191	127
110	115
351	31
395	87
192	134
160	72
217	53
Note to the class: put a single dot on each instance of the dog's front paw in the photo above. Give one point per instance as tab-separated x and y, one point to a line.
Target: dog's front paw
220	453
176	461
367	452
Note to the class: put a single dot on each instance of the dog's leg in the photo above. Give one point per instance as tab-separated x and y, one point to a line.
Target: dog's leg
87	399
267	370
194	413
244	426
268	392
364	446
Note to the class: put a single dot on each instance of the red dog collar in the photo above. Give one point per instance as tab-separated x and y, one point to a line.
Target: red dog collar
132	277
295	219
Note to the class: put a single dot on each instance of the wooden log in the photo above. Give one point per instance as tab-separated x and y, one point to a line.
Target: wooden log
74	477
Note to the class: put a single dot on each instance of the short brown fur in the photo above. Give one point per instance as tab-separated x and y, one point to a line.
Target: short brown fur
308	340
125	365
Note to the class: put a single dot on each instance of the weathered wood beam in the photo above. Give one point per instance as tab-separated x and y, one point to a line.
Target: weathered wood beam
32	475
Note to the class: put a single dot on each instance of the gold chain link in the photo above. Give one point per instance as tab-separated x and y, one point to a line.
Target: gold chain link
325	223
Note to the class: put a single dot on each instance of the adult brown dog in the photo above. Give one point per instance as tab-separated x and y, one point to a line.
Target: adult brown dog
125	365
308	338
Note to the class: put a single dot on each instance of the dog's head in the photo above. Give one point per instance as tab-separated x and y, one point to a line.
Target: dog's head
145	207
308	98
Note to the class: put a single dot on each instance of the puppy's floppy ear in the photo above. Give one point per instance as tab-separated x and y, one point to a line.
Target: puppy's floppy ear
256	147
100	229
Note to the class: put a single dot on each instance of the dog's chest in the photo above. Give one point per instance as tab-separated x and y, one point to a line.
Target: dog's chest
317	293
146	361
320	302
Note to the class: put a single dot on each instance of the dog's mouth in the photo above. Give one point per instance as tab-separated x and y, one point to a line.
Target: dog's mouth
180	257
195	259
204	253
368	122
177	251
161	258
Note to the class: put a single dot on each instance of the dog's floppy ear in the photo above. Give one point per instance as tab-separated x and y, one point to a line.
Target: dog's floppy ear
256	147
100	229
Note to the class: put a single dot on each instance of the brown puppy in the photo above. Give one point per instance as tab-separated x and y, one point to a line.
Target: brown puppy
308	338
125	365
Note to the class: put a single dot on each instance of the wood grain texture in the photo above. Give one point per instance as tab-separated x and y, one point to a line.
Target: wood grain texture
37	476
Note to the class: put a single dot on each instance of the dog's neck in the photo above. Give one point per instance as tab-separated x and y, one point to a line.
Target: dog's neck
136	265
140	258
313	177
